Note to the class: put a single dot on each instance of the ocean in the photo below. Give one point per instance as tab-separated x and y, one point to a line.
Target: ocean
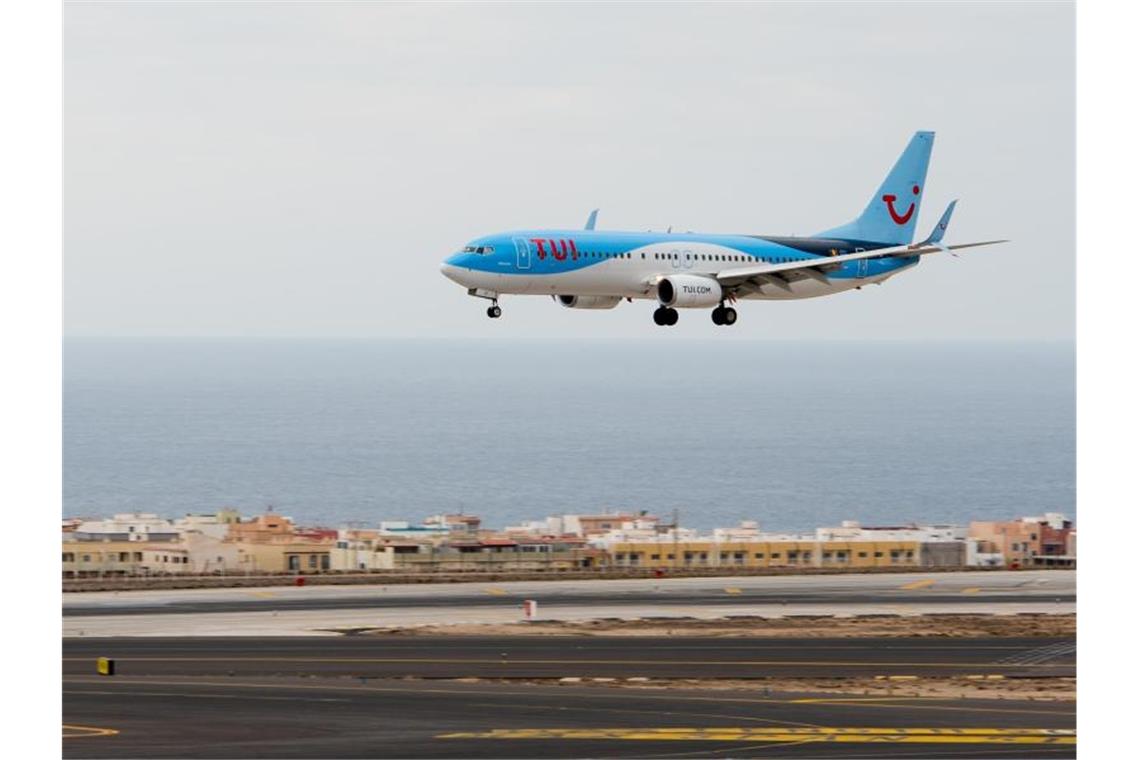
791	434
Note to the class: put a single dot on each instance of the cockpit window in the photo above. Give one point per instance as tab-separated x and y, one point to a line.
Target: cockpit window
479	249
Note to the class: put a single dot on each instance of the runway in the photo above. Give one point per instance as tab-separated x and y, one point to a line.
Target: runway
521	657
557	696
317	610
244	716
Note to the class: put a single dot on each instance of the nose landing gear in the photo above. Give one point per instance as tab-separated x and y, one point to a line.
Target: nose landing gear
493	311
665	316
724	315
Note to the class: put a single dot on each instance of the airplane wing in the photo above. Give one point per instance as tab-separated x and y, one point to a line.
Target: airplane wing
817	268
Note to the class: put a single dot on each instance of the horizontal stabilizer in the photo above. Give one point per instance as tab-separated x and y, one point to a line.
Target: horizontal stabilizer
824	264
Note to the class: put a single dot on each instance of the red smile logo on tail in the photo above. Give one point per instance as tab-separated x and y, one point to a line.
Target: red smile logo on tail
900	219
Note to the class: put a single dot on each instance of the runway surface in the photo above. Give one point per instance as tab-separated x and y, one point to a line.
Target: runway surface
172	716
477	696
565	656
314	610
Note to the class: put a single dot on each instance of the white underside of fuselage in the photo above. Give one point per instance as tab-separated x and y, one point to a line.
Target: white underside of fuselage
636	277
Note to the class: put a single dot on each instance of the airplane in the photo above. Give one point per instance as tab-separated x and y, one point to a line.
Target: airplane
596	269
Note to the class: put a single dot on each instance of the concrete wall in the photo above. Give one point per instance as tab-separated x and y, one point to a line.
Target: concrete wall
943	554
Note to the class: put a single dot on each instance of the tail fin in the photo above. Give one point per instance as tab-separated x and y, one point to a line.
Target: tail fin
891	215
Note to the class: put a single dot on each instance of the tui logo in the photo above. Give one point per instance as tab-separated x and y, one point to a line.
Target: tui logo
899	219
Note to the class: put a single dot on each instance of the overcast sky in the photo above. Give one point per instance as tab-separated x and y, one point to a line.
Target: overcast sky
301	170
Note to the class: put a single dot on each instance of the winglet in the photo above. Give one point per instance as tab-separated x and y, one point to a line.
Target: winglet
592	220
939	230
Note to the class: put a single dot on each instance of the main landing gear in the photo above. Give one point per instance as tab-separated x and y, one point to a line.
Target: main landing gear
494	312
665	316
724	315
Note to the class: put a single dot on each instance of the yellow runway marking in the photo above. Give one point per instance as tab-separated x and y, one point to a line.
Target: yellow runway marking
262	594
80	732
926	583
973	590
790	734
732	590
495	591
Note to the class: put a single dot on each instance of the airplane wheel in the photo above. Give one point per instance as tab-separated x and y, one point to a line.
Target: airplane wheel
671	317
718	315
659	316
494	312
729	317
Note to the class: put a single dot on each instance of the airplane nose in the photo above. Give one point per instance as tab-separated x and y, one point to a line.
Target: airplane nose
450	271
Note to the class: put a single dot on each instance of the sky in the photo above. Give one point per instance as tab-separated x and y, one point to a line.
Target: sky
292	169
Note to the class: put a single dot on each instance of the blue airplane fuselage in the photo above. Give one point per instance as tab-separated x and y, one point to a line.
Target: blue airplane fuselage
592	269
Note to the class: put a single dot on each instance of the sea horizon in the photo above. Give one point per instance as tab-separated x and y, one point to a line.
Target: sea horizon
355	430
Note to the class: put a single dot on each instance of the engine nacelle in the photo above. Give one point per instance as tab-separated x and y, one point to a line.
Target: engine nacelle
588	302
686	291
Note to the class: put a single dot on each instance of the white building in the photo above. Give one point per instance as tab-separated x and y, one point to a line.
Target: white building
976	556
586	525
851	530
127	526
215	525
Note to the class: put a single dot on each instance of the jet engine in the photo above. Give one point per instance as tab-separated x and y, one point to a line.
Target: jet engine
588	302
688	291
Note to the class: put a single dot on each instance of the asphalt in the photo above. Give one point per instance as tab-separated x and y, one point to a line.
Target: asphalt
327	610
246	716
282	689
552	602
559	656
839	591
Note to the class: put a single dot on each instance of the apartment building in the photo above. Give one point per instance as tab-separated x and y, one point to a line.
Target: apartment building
1027	541
85	559
776	553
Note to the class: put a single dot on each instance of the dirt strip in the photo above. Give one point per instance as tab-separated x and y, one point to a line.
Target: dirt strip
1045	689
962	626
403	577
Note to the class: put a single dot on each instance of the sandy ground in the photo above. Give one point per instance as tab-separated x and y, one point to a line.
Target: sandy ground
963	626
1053	689
800	626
